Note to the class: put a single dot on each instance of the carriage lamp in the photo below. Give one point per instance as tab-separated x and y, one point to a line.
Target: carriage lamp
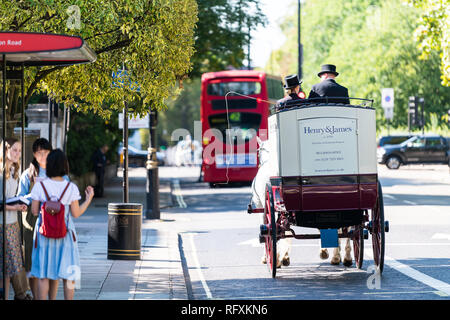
302	95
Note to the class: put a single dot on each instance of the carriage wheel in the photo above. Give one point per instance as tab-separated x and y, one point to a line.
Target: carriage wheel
358	245
271	239
378	236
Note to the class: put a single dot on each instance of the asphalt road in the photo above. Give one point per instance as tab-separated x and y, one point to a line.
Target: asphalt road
222	255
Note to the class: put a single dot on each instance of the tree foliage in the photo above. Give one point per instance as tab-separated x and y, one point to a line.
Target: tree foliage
433	32
222	33
221	37
152	38
88	133
372	44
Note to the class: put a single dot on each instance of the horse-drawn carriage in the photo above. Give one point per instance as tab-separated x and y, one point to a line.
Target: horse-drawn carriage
323	174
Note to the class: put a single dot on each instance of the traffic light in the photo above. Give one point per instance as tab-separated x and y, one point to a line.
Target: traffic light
421	119
413	110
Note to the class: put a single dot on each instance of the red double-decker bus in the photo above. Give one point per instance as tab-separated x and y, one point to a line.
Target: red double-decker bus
230	126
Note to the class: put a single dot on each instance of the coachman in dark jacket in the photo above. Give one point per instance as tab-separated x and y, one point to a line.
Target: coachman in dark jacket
328	87
292	86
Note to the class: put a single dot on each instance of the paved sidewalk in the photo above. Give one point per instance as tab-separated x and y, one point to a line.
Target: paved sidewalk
158	275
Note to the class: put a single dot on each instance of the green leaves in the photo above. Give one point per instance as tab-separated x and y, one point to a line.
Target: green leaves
152	38
373	46
222	33
433	32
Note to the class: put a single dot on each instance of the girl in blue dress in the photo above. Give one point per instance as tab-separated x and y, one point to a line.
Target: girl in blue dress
54	259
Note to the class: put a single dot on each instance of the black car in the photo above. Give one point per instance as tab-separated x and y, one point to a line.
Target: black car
138	158
394	139
418	149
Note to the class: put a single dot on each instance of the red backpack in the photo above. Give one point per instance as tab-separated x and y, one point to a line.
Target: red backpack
53	224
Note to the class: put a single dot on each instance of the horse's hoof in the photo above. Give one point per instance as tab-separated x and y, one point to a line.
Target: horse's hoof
278	263
286	261
335	262
264	259
323	255
348	263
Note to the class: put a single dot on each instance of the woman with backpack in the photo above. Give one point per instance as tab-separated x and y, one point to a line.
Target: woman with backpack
55	252
13	258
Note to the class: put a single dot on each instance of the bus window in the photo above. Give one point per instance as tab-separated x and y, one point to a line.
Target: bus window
243	125
222	88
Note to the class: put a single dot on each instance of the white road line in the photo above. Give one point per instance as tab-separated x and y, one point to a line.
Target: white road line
441	236
198	267
410	202
416	275
178	194
388	196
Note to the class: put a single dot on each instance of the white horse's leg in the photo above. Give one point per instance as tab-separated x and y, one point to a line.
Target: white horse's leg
336	259
284	247
348	257
263	258
323	253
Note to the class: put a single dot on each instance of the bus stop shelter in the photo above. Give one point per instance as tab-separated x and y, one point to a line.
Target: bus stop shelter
19	50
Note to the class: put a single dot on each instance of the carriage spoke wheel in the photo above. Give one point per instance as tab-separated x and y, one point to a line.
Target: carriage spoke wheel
271	239
358	245
378	236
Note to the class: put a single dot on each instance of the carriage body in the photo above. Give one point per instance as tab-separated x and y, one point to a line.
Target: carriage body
323	174
323	163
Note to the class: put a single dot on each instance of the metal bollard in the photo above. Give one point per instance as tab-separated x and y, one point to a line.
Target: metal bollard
124	231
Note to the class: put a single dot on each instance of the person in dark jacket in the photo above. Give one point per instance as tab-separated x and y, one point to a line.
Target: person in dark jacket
292	86
328	87
99	162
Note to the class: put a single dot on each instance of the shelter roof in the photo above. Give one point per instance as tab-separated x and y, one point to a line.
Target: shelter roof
44	49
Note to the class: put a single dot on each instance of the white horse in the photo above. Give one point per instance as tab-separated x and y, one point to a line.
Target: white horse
336	259
258	197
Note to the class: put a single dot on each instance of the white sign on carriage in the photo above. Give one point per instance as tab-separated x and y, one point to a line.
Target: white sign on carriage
328	146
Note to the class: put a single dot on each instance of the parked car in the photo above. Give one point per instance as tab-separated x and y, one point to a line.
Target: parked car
417	149
138	158
394	139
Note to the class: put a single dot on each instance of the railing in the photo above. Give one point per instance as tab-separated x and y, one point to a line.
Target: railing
323	101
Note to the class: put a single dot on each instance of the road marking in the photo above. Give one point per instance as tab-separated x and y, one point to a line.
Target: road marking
254	242
389	196
441	236
178	194
439	293
441	286
410	202
198	267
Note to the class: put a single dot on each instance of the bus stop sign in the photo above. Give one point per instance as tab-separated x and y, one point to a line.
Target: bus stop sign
387	102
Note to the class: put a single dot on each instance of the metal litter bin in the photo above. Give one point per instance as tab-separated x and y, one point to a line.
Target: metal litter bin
124	231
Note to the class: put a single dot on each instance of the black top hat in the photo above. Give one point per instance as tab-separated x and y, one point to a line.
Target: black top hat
292	81
328	68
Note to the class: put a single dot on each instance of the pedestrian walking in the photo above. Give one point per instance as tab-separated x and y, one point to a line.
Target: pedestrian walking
57	258
99	162
328	87
35	173
13	258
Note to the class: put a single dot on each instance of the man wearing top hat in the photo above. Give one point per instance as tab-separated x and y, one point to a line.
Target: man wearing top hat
292	86
328	87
